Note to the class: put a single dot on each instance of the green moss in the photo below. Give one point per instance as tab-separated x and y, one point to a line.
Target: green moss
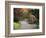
17	25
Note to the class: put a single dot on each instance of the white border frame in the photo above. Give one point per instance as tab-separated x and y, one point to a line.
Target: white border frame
26	30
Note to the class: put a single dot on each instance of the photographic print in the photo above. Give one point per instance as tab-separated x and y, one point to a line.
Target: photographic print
26	18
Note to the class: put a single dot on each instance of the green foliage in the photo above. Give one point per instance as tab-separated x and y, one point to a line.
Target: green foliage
36	13
37	23
17	25
16	19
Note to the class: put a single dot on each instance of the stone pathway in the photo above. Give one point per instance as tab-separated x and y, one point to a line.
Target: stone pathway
25	25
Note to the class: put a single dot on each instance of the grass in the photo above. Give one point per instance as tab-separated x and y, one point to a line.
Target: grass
17	25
